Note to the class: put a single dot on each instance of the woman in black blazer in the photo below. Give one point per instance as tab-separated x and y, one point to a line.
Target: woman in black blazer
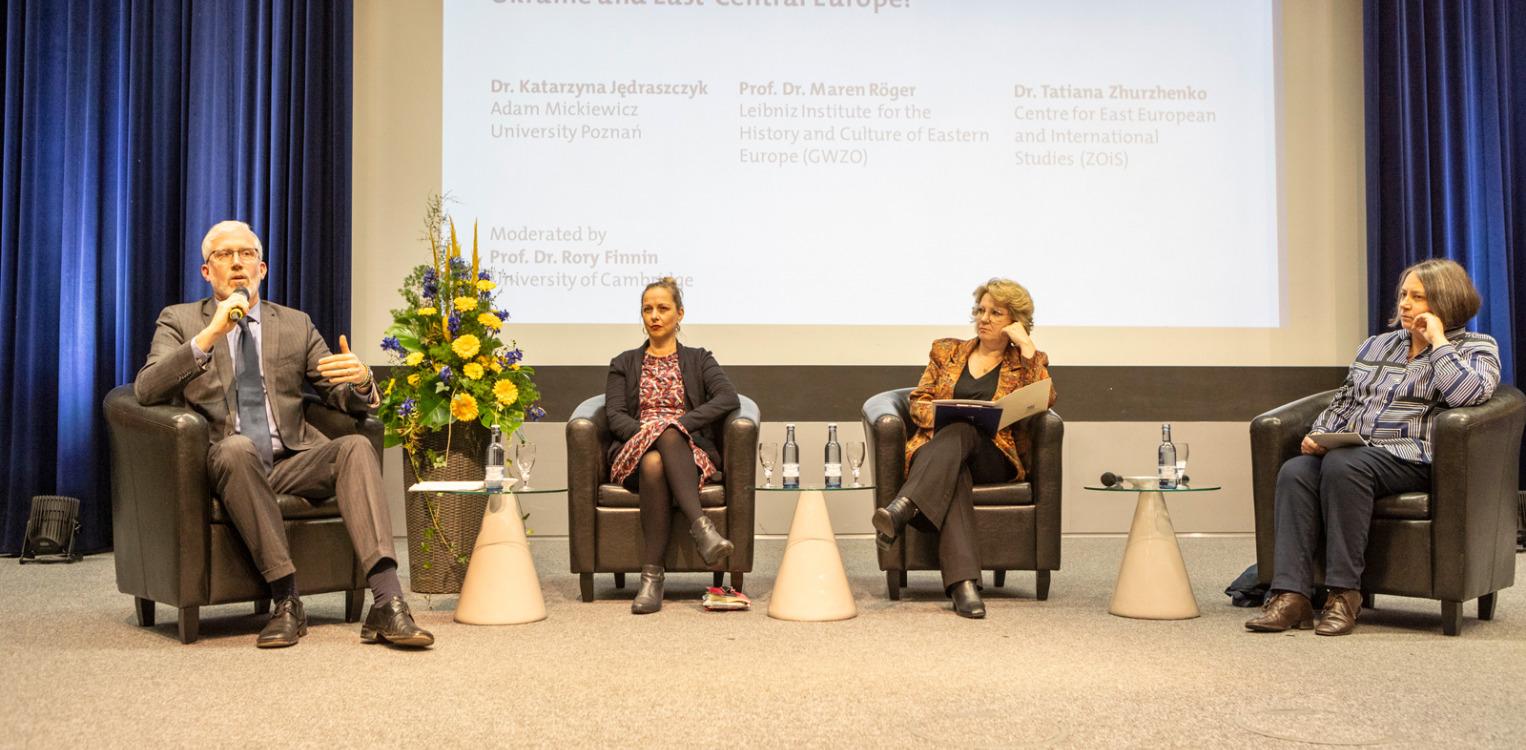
662	400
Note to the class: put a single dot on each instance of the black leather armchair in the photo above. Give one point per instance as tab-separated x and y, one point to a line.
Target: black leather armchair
174	542
1017	524
604	519
1454	543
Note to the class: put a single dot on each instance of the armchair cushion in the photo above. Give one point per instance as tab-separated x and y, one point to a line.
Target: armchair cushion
615	496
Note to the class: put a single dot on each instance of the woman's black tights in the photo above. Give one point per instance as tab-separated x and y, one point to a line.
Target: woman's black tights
666	476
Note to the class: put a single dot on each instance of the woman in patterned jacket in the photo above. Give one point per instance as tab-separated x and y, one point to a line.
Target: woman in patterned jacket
662	399
943	467
1401	380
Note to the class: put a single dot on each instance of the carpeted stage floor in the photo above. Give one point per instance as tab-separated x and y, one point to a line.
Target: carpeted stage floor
1064	673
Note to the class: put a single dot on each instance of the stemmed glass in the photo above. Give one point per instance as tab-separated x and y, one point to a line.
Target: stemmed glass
856	459
524	459
766	453
1181	461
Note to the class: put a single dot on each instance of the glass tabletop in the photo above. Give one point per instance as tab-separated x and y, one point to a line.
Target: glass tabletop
1193	488
813	488
476	488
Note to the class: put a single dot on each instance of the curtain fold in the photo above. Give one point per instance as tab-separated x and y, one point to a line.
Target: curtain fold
1446	153
130	127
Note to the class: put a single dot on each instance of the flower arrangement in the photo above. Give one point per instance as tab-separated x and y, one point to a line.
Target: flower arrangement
451	363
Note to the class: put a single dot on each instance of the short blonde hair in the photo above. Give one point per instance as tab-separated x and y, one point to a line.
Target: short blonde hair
1448	291
1011	295
222	227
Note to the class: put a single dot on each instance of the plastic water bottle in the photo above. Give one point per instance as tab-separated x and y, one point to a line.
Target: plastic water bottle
1165	464
833	461
494	463
791	460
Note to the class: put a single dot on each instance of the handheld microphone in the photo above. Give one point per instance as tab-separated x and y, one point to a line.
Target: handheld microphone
236	313
1110	479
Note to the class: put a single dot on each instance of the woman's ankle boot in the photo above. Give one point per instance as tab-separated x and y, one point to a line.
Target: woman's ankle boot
890	520
712	546
649	595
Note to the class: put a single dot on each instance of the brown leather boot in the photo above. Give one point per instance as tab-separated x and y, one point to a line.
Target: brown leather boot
1285	610
1341	610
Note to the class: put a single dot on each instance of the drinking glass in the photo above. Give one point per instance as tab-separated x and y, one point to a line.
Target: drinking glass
1181	461
766	453
524	458
856	459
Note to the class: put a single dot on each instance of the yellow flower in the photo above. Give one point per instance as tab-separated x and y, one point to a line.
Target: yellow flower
466	346
490	321
514	367
427	311
413	379
506	392
486	286
463	407
413	358
466	304
496	367
473	370
390	383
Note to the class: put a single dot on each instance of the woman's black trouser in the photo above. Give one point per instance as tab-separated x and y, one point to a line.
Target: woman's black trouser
940	481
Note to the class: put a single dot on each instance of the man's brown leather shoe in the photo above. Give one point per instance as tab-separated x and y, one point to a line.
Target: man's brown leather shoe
1341	610
1285	610
288	622
391	622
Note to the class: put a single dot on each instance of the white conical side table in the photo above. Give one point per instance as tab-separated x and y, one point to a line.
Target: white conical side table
1152	578
812	585
501	586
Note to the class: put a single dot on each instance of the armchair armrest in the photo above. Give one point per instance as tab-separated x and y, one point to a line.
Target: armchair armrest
587	444
1046	436
885	431
1474	476
741	476
160	499
1274	438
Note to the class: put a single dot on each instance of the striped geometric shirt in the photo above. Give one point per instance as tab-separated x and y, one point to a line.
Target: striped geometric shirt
1392	400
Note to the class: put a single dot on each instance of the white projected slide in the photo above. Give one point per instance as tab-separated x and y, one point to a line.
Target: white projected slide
864	162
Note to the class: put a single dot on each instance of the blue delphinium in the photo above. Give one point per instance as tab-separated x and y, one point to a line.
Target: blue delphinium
484	276
391	344
445	374
406	408
512	356
455	322
535	413
430	290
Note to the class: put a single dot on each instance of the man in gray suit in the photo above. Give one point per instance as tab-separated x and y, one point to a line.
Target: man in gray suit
241	362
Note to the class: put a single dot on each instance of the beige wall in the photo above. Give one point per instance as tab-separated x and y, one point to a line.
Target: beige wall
397	163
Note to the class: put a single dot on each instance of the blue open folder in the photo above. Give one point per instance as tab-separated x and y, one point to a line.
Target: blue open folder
991	416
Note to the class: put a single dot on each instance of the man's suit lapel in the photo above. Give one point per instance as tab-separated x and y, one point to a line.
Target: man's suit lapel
270	352
222	363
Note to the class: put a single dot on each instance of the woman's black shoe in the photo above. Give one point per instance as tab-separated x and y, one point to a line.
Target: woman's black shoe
890	520
967	600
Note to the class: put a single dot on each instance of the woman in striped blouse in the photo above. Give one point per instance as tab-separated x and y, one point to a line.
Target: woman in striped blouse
1401	380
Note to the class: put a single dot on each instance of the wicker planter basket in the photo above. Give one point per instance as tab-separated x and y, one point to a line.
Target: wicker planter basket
434	543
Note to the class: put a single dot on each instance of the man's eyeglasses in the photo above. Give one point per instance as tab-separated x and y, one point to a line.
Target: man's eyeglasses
245	254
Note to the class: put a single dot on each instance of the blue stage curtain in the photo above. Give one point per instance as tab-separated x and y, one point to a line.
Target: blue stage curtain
131	126
1446	155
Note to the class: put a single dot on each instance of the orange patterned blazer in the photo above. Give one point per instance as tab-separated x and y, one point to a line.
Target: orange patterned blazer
945	363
